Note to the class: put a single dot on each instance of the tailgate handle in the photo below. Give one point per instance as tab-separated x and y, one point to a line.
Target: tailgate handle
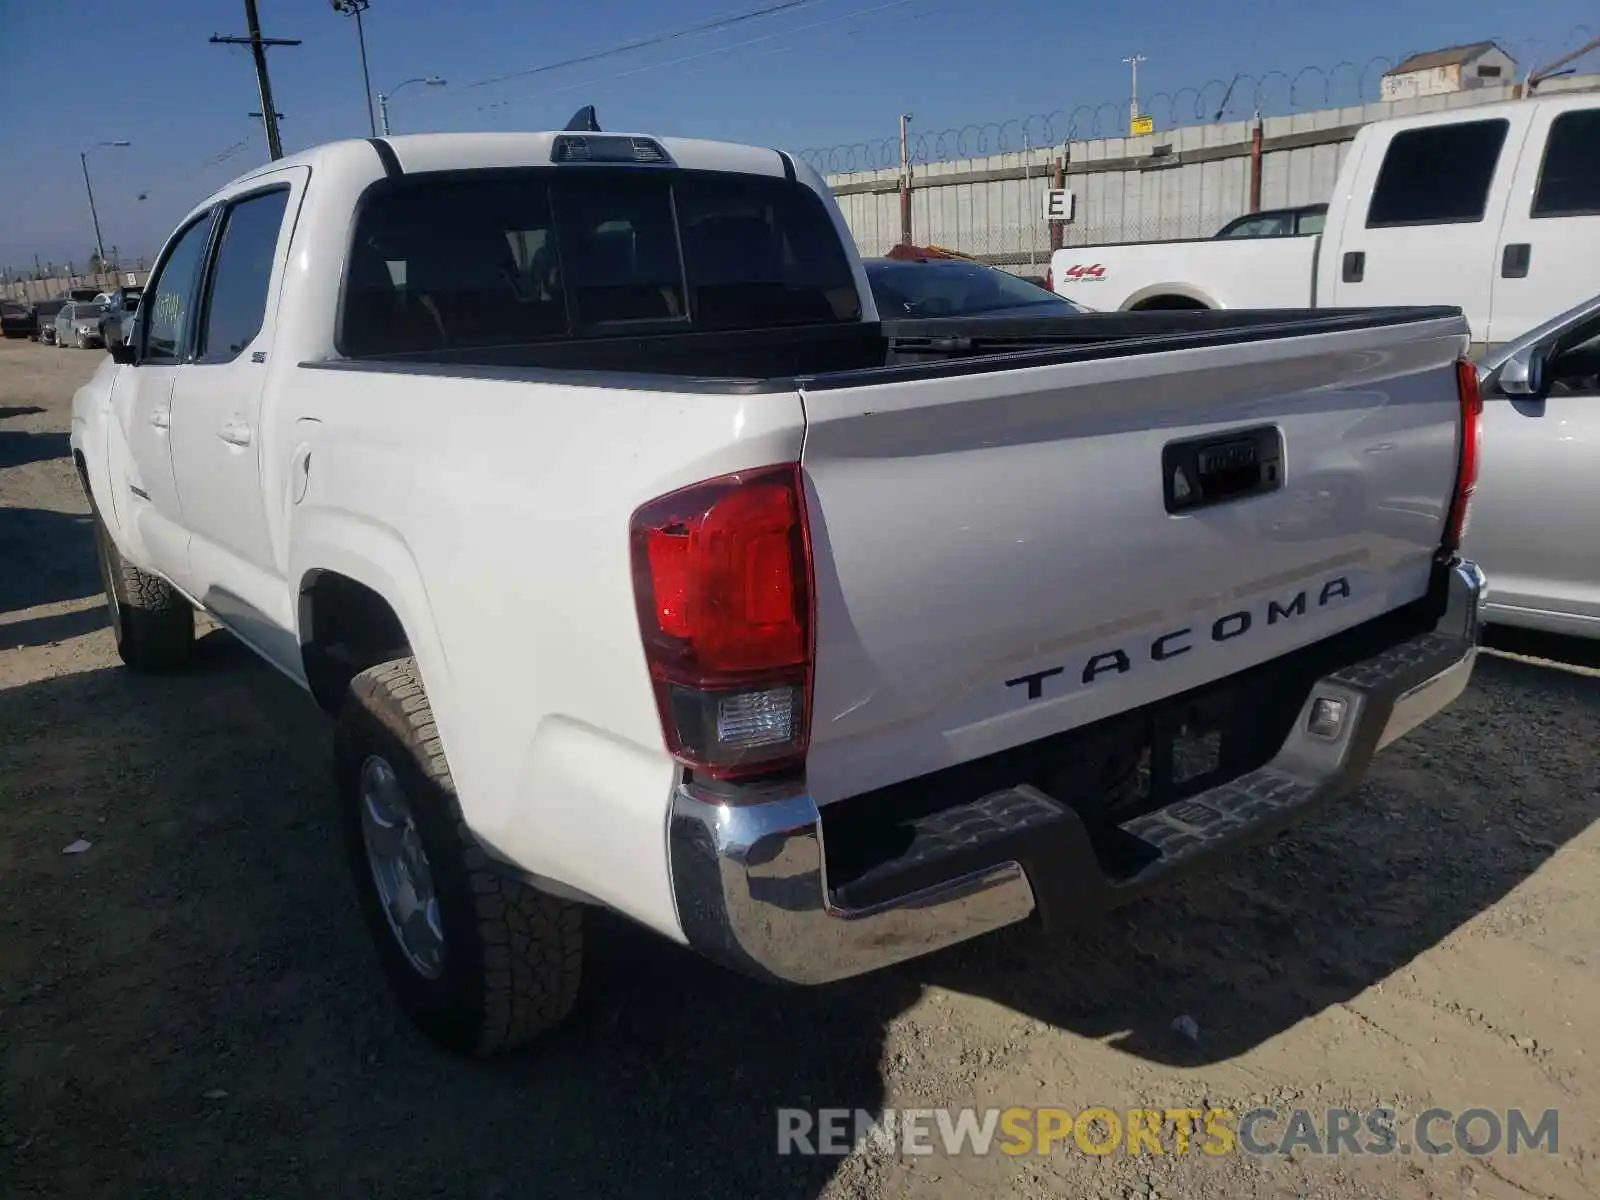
1355	266
1199	472
1514	260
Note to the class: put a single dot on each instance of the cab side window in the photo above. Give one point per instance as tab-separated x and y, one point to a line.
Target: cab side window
170	302
236	302
1437	175
1569	177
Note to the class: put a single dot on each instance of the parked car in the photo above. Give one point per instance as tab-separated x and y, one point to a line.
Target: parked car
1491	207
948	287
78	324
1300	221
117	312
1533	519
17	319
672	582
45	313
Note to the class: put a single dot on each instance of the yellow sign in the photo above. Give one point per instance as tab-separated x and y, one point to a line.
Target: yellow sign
1141	125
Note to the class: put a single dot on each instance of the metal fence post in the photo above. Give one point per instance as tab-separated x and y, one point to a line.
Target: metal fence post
905	180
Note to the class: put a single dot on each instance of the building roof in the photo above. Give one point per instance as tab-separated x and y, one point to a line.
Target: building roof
1450	56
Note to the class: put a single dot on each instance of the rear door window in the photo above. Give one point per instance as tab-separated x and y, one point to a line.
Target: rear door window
241	272
1569	178
477	259
1437	175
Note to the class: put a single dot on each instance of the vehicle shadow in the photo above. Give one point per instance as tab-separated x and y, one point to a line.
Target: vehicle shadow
45	556
16	449
1280	932
18	410
192	1006
40	631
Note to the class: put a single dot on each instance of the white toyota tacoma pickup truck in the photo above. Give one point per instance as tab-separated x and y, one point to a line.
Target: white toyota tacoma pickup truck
1494	208
643	566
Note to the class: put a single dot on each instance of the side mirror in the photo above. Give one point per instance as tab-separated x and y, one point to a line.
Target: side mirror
121	352
1522	374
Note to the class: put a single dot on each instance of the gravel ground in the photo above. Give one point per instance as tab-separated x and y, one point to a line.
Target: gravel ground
190	1007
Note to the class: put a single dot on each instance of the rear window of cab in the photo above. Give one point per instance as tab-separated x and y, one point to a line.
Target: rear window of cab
467	259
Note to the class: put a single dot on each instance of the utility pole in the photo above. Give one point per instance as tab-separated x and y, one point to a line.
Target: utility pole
258	50
1133	61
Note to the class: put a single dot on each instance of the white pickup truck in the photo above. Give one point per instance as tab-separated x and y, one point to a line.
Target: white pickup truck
642	566
1492	208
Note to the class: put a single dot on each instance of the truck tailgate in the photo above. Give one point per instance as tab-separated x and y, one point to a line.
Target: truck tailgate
1002	555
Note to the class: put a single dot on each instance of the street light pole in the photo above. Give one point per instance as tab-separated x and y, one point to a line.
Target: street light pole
1133	60
83	160
355	8
385	97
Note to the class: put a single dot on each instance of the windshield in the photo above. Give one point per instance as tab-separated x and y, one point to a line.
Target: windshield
953	289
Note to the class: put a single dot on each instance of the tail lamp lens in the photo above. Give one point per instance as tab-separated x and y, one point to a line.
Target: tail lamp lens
722	583
1470	451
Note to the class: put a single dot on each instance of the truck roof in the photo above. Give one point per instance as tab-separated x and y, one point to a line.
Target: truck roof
471	151
1495	108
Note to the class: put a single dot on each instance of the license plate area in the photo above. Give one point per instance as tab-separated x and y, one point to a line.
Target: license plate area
1200	472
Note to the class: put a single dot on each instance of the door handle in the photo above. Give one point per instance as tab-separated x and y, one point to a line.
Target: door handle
161	418
1514	260
1355	266
235	433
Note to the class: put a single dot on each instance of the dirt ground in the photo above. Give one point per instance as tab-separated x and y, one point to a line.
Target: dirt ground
190	1006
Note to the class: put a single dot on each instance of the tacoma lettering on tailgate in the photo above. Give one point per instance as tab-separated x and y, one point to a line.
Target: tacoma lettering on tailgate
1180	641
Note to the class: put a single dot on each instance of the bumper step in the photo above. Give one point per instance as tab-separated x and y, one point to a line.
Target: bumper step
967	838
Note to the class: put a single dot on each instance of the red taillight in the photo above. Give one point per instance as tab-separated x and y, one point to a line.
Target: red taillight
1467	456
722	582
1050	278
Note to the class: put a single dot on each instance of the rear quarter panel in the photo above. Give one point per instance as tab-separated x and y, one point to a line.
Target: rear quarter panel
1225	273
494	515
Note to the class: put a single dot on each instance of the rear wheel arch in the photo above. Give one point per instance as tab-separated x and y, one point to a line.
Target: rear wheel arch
1168	299
346	626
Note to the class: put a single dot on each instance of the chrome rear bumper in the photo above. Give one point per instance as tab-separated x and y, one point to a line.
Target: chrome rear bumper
751	883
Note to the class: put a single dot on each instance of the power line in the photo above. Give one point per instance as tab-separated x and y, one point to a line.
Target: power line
659	39
673	62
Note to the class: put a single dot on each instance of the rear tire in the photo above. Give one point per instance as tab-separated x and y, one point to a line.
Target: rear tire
488	963
152	622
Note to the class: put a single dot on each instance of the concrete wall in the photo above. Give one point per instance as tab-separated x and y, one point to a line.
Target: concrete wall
1178	183
45	289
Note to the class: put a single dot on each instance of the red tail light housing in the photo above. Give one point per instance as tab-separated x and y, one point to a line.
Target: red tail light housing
1050	278
1468	454
722	581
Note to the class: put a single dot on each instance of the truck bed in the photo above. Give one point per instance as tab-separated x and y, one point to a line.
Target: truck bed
826	356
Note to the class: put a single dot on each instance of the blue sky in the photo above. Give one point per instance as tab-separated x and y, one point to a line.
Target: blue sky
825	72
